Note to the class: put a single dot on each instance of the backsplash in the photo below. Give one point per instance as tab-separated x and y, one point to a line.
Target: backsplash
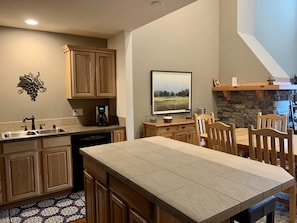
243	107
47	123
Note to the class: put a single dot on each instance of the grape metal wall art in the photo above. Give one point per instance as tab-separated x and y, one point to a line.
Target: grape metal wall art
31	84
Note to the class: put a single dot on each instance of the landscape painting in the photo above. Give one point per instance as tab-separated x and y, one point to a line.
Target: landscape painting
171	92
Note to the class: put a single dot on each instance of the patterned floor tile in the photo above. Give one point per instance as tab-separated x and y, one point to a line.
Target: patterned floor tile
55	210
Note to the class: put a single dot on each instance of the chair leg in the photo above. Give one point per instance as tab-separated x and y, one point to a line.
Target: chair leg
270	217
292	204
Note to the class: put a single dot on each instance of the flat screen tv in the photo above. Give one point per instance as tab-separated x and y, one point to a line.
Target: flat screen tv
171	92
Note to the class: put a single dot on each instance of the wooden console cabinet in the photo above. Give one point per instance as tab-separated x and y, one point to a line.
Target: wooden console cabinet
180	129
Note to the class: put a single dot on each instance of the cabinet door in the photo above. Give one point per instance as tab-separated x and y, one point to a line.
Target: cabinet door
89	186
57	168
2	180
118	210
105	74
135	217
182	136
102	203
119	135
193	138
83	74
22	175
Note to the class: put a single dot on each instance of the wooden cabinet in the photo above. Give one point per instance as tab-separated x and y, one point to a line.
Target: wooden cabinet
35	167
57	164
110	200
181	129
118	135
118	210
22	169
90	72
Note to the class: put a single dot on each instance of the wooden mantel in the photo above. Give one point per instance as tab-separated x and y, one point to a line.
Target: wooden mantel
259	88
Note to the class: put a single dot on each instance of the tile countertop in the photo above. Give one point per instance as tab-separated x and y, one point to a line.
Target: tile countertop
202	184
71	130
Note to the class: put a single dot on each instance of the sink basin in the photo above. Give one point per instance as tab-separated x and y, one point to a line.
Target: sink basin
24	134
50	131
17	134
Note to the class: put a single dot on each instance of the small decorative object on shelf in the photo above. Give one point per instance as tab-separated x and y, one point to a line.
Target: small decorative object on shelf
216	82
167	118
270	80
31	85
294	79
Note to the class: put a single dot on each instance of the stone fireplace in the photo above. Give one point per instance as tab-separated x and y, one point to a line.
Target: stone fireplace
242	106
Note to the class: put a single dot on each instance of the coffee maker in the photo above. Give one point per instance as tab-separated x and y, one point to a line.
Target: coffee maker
102	115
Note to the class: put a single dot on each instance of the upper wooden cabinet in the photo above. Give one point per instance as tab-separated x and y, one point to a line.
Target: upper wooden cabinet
91	72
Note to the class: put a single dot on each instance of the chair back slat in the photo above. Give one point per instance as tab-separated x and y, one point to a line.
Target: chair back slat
272	146
221	137
272	121
200	124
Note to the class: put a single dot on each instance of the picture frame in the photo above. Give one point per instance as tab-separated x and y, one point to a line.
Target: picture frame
216	82
171	92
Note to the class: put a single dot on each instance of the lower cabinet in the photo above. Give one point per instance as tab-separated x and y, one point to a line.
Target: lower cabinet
109	200
1	179
31	168
22	169
57	164
118	135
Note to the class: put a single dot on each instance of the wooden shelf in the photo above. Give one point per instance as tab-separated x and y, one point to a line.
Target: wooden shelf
254	88
258	88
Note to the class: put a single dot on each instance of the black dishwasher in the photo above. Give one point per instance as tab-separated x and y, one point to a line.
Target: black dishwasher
79	141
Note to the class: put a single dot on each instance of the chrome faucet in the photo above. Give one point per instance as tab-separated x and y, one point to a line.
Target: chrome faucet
33	121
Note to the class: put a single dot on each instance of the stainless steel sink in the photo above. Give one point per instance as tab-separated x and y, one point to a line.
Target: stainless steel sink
25	134
50	131
17	134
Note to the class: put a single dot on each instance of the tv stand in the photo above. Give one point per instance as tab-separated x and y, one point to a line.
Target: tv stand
180	129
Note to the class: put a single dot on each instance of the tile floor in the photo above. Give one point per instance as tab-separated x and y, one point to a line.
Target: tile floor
61	209
72	207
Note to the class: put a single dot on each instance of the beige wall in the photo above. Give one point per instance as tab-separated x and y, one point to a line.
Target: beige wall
24	51
186	40
236	59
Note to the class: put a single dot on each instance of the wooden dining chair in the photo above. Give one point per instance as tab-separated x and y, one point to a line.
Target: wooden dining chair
221	137
275	147
200	121
272	121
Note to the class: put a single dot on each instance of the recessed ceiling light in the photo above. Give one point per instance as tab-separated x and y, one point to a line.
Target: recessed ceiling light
31	22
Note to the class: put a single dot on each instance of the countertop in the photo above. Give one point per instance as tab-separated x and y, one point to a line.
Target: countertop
71	130
202	184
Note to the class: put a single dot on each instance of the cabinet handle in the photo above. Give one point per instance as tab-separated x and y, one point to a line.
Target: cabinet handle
183	127
168	129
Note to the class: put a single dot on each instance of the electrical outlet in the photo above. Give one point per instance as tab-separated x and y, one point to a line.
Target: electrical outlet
77	112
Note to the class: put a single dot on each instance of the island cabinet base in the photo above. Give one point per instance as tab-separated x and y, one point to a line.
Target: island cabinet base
111	200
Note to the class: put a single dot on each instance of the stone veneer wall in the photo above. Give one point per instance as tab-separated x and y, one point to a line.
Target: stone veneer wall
244	106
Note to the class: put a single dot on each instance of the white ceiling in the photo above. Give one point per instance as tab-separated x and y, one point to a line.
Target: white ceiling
94	18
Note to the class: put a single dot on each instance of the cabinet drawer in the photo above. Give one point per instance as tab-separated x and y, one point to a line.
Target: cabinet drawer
167	129
56	141
134	199
189	127
21	146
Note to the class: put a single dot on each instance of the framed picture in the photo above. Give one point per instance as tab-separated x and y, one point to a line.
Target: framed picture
171	92
216	82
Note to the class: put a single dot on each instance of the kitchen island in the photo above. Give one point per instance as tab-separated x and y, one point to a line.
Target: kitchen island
160	180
